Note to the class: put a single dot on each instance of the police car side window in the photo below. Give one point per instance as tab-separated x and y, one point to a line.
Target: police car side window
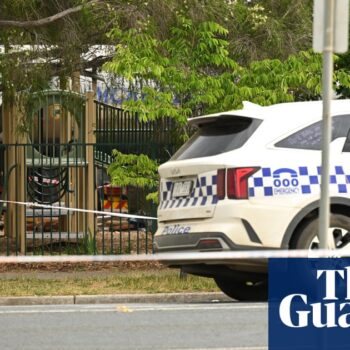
311	137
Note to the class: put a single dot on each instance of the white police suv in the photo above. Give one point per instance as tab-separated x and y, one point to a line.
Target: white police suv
250	179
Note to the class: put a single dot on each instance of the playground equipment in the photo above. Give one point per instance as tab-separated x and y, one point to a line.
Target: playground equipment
48	163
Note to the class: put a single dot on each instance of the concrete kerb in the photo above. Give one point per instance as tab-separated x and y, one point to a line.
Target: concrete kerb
116	299
37	300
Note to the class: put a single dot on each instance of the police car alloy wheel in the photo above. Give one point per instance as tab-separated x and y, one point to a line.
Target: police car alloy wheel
250	180
339	228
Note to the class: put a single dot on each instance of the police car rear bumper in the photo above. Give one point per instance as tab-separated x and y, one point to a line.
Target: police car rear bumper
192	241
204	242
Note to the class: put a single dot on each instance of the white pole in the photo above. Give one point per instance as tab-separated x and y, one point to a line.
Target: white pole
326	241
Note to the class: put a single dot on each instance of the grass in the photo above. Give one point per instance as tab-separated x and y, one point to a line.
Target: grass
146	281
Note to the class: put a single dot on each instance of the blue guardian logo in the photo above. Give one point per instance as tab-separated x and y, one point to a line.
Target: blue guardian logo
309	304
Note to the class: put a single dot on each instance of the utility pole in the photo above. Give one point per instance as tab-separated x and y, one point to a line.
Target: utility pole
331	20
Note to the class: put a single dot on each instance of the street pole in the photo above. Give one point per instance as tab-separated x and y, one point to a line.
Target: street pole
326	242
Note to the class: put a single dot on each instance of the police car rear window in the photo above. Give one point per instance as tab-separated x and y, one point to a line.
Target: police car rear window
216	137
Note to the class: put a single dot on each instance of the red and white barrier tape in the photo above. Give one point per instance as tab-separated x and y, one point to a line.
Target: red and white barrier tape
32	205
176	257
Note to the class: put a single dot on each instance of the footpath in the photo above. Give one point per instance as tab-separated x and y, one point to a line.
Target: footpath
82	272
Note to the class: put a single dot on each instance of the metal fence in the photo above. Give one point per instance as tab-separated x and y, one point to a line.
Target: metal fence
74	177
116	128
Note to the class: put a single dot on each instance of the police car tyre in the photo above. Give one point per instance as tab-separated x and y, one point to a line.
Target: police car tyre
243	290
306	237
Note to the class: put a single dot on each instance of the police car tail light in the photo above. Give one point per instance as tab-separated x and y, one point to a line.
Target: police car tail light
221	184
237	182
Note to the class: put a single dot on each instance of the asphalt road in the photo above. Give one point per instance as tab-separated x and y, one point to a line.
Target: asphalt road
135	326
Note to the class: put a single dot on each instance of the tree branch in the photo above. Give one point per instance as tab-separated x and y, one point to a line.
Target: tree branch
44	21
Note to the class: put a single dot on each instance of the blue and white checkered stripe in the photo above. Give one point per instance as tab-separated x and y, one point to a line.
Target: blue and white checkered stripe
203	193
302	180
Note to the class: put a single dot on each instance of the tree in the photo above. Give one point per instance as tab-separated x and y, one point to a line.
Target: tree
135	170
269	29
60	33
175	77
192	72
29	24
45	39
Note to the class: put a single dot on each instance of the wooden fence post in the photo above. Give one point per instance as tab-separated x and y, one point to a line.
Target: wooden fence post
16	182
